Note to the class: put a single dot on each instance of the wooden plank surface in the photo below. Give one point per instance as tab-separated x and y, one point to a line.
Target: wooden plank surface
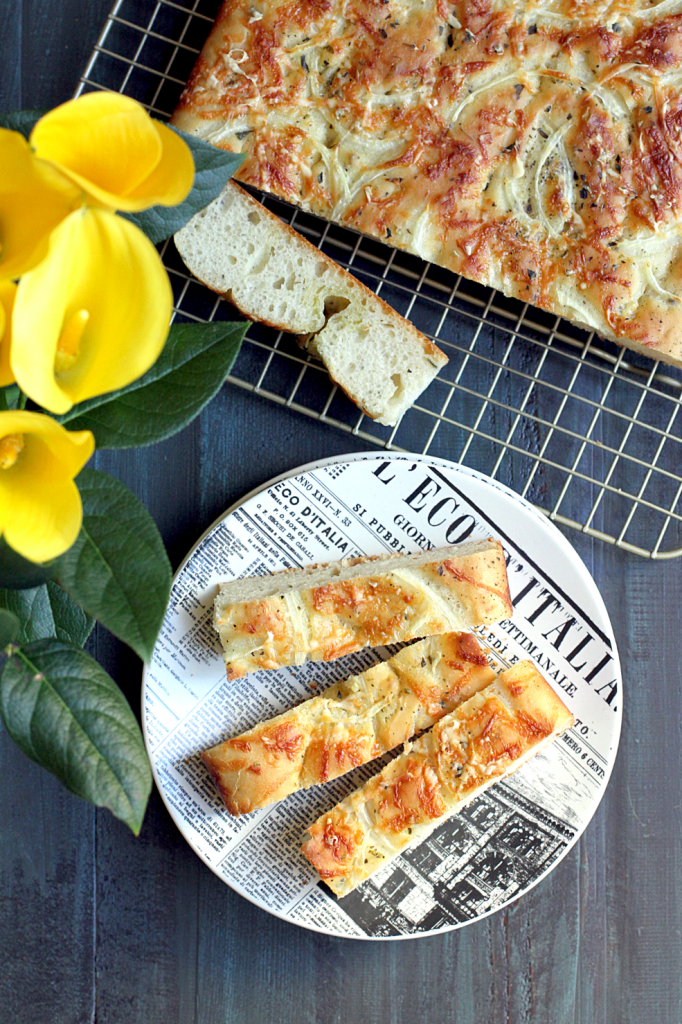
96	926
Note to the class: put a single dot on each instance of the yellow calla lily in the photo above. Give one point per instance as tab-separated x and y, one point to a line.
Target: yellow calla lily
110	146
93	316
40	507
34	198
8	290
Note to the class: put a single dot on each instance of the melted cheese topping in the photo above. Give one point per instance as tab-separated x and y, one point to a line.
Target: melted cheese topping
326	622
486	738
532	146
352	722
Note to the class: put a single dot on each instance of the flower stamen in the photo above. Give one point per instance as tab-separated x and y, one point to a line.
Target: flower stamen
69	341
11	446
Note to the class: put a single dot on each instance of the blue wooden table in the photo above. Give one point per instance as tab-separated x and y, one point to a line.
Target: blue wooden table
97	926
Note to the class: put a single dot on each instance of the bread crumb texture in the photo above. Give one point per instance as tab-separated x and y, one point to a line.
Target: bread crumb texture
243	251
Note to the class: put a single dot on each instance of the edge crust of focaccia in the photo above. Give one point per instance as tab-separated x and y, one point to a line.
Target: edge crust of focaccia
534	148
350	723
319	613
483	740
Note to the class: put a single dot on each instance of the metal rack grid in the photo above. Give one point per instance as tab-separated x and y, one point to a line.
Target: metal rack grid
589	433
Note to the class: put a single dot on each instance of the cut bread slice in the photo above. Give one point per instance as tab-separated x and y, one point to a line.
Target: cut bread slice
322	612
243	251
487	738
350	723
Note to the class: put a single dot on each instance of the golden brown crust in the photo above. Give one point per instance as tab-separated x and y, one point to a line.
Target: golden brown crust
351	723
324	622
484	739
531	148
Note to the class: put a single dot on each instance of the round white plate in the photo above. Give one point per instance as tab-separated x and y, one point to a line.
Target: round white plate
504	842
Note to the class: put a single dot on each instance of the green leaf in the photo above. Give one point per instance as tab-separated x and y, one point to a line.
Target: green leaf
69	716
9	627
9	397
17	572
213	168
44	612
117	570
21	120
191	369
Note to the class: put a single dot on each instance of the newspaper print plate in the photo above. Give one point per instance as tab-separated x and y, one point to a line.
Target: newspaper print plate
502	843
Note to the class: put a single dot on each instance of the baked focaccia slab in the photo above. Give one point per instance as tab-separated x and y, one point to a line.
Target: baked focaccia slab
485	739
349	724
322	612
533	147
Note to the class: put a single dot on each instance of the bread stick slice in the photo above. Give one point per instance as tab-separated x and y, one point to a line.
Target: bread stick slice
271	273
485	739
348	724
324	611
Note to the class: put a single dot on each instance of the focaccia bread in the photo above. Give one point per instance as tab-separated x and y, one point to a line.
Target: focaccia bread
485	739
350	723
243	251
533	147
322	612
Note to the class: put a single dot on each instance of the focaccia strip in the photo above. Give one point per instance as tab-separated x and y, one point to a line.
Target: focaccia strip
486	738
323	612
351	723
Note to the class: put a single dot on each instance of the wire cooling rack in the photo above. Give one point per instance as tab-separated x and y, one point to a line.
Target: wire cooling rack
588	432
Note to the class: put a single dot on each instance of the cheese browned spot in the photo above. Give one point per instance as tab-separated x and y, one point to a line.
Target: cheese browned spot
284	738
348	724
411	798
334	841
529	146
484	739
470	650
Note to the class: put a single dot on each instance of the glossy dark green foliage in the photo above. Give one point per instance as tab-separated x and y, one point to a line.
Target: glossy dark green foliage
117	570
69	716
191	369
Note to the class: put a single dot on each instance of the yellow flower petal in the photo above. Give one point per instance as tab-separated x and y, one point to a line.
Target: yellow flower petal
34	198
101	295
8	291
40	507
109	145
104	141
173	177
